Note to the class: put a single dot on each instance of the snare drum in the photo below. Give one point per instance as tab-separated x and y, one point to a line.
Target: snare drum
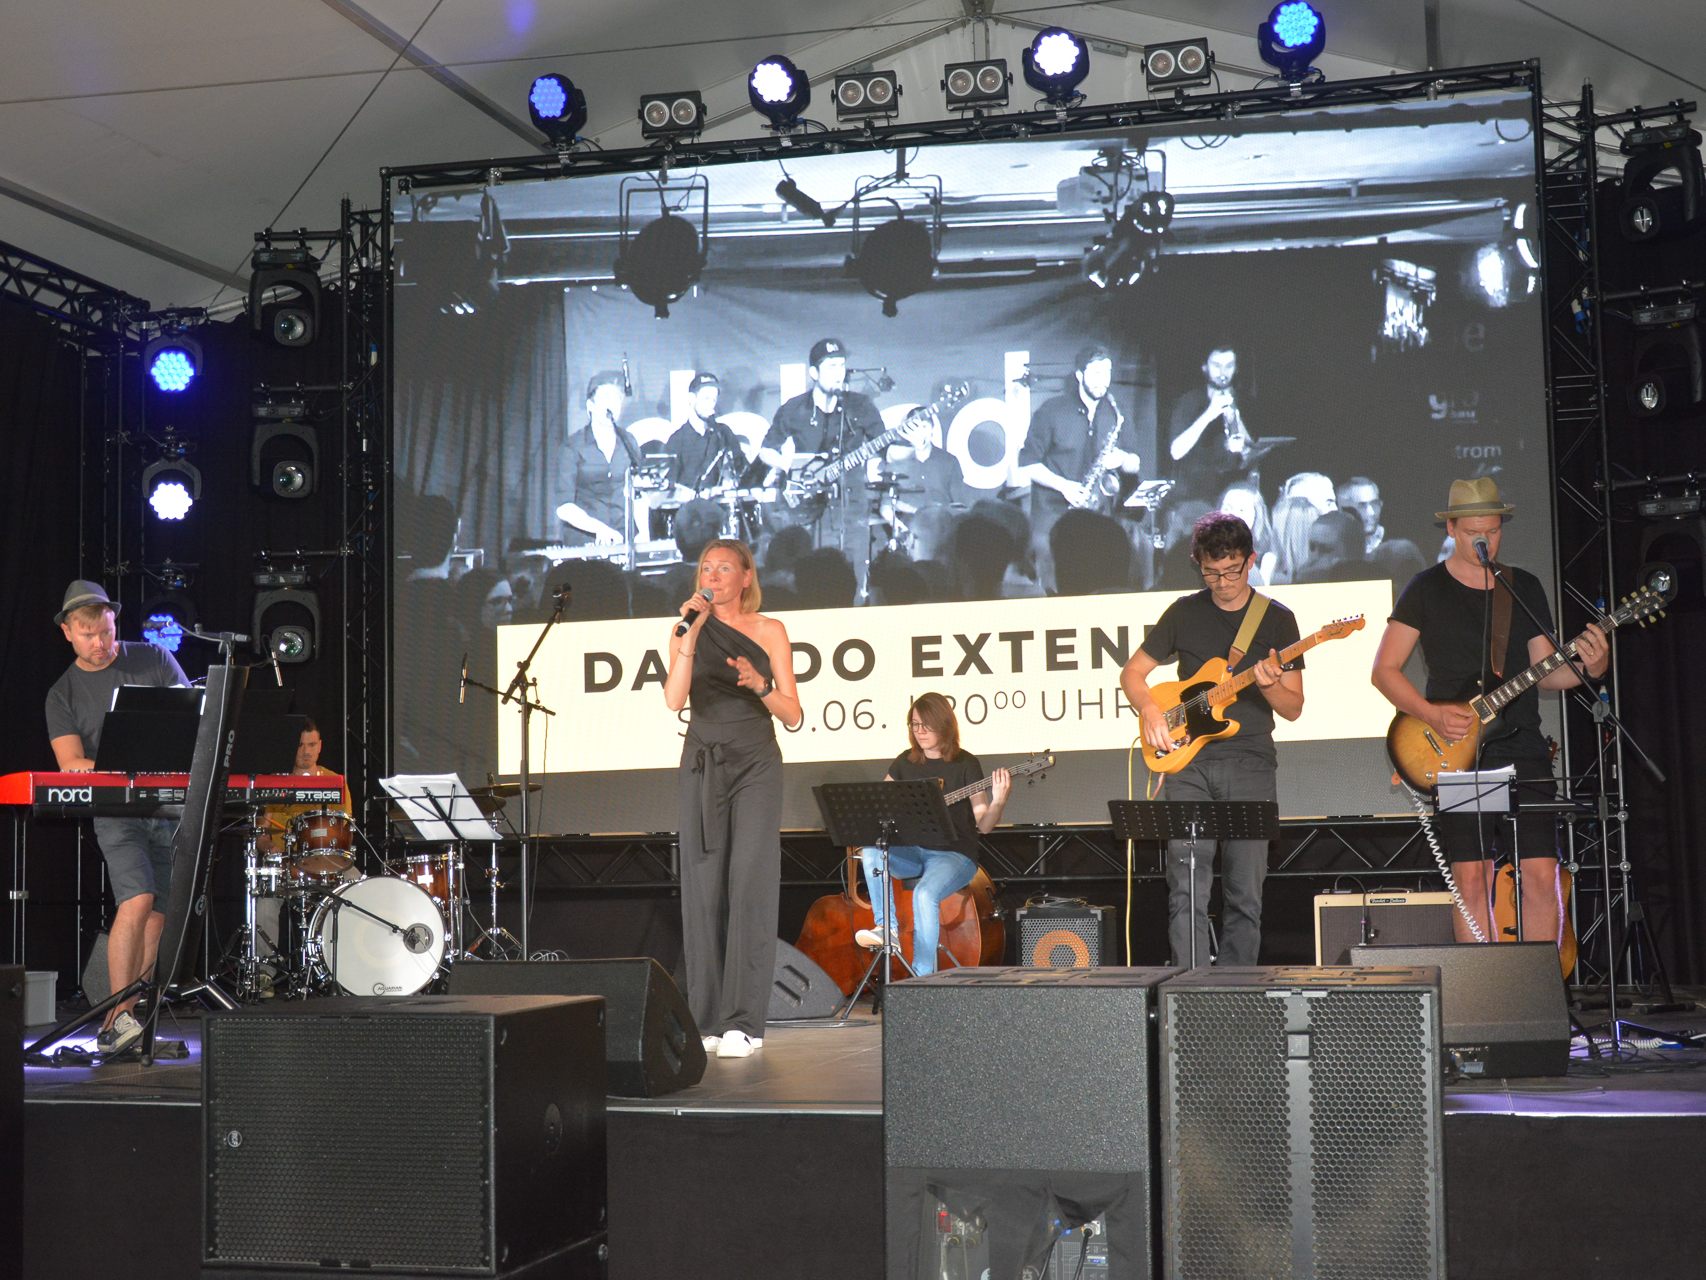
357	947
322	849
440	874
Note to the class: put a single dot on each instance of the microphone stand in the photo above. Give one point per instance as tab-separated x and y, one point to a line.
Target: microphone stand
522	690
1602	713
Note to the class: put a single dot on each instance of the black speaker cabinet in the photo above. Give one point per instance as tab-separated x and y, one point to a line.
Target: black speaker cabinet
438	1135
649	1035
1503	1011
1345	920
11	1119
801	989
1066	936
1301	1130
1019	1104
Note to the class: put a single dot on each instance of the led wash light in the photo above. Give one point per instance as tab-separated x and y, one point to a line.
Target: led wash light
557	108
1056	64
171	487
172	361
1294	35
779	91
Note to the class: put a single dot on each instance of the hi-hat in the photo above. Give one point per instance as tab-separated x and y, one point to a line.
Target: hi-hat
502	790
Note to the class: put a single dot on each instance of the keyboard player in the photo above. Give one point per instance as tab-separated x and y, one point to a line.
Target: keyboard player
138	851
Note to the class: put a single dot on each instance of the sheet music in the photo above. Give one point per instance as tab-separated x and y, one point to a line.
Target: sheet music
1488	791
439	806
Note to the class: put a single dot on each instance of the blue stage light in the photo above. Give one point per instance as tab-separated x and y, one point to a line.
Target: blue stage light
1292	38
779	91
171	487
1055	65
165	619
173	367
557	108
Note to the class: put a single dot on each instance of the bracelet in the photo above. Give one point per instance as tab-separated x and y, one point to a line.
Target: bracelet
686	653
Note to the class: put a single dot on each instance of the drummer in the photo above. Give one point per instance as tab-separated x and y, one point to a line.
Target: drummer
706	456
277	818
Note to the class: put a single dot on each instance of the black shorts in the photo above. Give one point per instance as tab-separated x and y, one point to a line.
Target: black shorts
1471	837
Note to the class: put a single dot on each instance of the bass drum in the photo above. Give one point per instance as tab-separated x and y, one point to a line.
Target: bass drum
378	937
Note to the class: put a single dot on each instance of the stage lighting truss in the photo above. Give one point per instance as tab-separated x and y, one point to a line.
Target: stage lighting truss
1055	64
557	108
171	485
1294	35
1178	64
867	95
672	115
664	259
168	612
1662	183
284	452
286	619
971	86
1130	187
173	361
896	257
779	91
284	291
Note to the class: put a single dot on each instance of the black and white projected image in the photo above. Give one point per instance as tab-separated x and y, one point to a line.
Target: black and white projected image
999	388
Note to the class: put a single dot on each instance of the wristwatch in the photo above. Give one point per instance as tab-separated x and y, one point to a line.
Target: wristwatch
769	688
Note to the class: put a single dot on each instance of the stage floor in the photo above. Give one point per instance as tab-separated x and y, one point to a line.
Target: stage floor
772	1165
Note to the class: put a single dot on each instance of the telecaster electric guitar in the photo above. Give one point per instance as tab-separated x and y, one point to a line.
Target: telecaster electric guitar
809	488
1420	755
1196	707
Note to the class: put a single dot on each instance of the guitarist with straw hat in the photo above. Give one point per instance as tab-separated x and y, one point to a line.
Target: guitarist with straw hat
1227	619
1471	639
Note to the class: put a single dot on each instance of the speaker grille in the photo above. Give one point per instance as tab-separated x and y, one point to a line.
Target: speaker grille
1061	938
280	1102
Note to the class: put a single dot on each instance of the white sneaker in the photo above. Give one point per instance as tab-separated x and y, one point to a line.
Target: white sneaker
870	939
711	1043
737	1044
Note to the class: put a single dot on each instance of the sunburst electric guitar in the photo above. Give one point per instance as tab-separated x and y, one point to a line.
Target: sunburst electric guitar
1420	754
1196	707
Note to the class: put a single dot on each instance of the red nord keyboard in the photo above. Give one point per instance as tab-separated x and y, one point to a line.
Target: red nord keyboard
104	793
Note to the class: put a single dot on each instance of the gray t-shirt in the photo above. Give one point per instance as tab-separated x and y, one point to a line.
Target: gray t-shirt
79	700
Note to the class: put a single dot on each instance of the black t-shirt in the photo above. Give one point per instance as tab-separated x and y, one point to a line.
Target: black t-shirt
854	420
1454	647
1209	467
961	771
695	456
1194	629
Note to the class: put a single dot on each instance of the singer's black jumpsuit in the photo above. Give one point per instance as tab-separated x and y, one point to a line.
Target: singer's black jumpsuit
729	790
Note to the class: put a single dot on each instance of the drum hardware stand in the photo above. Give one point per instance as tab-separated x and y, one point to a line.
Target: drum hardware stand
1599	706
1191	821
523	690
862	814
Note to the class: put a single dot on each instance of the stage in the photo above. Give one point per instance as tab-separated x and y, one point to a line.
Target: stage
772	1166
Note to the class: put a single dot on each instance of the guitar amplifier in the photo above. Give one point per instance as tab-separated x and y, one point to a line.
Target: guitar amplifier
1392	916
1066	936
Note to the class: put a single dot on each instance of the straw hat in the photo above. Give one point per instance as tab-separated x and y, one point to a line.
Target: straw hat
1477	497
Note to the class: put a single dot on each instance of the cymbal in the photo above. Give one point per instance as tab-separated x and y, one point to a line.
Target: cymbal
501	790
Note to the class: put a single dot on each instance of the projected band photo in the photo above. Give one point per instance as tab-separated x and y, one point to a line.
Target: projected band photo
959	373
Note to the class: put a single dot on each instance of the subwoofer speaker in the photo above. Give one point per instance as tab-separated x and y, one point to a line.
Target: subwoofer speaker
1019	1104
801	989
1301	1129
1066	937
1503	1011
650	1037
1346	920
438	1135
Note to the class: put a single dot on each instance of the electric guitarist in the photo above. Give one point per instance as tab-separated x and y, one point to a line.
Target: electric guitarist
1227	619
1472	636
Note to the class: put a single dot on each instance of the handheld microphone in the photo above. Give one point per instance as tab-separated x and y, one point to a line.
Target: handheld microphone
1480	545
627	382
686	623
462	688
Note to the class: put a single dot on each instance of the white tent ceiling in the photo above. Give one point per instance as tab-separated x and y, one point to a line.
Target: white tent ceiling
144	144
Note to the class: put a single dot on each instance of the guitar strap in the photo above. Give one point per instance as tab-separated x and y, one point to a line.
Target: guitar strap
1253	618
1501	630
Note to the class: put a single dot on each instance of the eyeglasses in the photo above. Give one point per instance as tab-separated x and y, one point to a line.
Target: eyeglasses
1219	575
916	725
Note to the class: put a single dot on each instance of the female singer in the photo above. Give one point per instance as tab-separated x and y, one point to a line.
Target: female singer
736	667
935	753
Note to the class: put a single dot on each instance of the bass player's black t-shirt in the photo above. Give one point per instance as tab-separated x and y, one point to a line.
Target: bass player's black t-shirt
961	771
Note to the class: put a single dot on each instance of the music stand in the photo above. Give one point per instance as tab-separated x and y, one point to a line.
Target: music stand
1191	821
884	814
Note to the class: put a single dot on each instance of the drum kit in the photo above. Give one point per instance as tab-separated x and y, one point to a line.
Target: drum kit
313	924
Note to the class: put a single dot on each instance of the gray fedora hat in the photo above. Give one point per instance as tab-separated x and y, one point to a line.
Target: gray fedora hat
80	593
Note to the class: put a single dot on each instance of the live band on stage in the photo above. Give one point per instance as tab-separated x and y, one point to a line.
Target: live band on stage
314	923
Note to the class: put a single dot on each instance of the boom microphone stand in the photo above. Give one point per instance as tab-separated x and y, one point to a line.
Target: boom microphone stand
523	690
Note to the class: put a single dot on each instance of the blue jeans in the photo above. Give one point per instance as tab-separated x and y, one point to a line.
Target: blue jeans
939	872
